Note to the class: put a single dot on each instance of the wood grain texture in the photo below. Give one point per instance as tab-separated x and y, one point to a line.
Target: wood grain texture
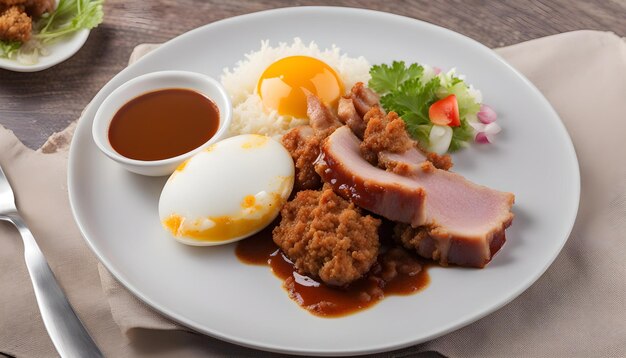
35	105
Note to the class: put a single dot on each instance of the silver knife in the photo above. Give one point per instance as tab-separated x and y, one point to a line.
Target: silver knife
68	334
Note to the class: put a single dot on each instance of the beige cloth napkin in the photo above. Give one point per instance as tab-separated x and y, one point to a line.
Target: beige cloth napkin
577	308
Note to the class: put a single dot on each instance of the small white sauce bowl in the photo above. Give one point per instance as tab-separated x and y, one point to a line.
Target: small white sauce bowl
150	82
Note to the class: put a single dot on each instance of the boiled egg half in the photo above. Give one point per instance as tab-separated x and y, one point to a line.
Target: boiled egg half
229	191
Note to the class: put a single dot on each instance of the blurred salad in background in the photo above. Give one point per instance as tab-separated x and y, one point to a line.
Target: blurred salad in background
29	26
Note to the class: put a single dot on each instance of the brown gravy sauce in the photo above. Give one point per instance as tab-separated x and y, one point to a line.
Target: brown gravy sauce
397	272
163	124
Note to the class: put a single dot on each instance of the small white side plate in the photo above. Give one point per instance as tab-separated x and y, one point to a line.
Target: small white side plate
58	52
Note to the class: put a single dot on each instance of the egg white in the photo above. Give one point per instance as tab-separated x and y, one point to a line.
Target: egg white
215	183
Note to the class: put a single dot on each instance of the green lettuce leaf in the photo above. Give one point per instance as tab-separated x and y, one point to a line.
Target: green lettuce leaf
8	49
69	16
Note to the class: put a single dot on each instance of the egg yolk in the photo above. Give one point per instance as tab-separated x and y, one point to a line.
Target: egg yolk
280	86
225	227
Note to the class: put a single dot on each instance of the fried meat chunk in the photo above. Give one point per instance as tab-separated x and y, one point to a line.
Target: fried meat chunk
304	146
364	98
353	107
349	116
8	3
443	162
15	24
36	8
16	17
327	236
321	118
384	133
303	143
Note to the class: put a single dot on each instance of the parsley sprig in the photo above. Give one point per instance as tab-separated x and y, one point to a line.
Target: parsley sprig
406	90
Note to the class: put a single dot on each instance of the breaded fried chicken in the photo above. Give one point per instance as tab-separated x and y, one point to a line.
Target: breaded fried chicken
420	239
384	133
327	236
36	8
8	3
353	107
16	17
303	143
15	24
304	147
443	162
408	236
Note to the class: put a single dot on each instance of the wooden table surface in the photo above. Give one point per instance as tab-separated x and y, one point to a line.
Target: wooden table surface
35	105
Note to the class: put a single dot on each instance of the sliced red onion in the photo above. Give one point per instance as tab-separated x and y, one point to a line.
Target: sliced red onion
492	129
488	133
437	70
482	138
478	127
486	114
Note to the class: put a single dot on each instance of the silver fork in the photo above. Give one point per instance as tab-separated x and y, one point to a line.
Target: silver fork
67	332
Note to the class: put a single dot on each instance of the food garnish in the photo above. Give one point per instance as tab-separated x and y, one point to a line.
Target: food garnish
9	48
423	97
69	17
445	112
486	128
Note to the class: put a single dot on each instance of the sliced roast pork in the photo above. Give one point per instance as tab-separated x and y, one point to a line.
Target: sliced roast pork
464	222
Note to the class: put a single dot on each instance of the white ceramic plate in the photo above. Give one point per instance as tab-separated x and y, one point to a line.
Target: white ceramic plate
58	52
209	290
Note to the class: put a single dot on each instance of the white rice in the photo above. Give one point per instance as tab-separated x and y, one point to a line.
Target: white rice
249	115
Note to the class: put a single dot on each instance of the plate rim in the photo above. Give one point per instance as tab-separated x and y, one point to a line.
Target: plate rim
453	326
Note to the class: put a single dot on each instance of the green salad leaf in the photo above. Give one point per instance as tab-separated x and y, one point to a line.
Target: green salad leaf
8	49
411	101
69	16
460	136
407	91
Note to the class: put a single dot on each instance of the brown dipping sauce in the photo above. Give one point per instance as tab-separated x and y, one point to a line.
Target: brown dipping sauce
163	124
395	273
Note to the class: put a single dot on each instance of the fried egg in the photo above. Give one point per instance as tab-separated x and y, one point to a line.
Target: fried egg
266	87
229	191
281	85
